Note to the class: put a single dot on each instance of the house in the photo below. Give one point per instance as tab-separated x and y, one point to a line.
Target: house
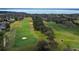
2	25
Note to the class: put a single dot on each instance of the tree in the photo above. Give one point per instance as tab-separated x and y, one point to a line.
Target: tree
42	46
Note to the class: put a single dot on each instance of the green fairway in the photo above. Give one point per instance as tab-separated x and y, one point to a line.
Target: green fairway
70	36
23	30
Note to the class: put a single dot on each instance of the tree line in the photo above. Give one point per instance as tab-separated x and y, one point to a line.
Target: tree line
40	26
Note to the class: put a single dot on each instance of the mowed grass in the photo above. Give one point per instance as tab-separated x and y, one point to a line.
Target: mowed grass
70	36
23	29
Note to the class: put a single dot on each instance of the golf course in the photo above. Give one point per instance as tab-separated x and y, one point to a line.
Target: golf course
26	38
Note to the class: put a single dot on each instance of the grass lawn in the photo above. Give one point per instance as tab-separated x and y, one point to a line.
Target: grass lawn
70	36
23	30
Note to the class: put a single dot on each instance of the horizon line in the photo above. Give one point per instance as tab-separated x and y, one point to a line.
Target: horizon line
42	8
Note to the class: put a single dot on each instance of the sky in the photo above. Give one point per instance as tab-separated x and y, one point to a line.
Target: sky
41	4
43	10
